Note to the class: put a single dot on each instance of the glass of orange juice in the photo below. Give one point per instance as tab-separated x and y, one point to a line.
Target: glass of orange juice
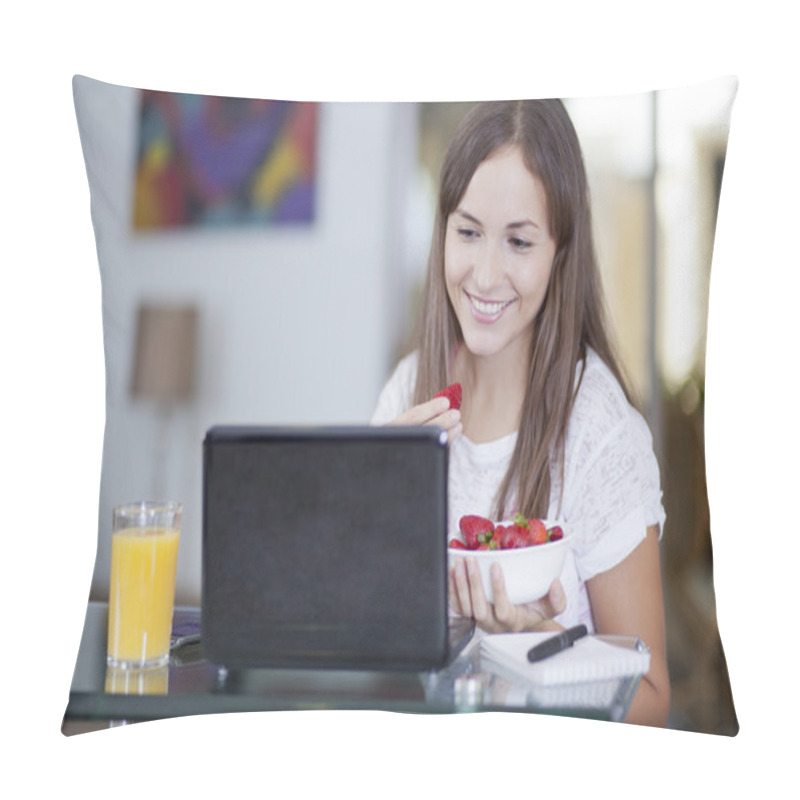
144	555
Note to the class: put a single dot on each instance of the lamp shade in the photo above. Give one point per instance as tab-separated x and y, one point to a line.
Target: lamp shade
164	359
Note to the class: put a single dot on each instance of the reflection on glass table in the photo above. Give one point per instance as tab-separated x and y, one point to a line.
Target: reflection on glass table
101	697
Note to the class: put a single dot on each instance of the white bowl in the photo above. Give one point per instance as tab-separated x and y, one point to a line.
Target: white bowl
528	571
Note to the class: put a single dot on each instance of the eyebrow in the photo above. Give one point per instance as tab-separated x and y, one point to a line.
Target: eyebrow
513	225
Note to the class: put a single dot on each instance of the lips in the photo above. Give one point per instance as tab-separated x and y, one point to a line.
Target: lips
487	311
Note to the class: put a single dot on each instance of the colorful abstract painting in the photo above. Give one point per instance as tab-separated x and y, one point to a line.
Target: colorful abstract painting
207	161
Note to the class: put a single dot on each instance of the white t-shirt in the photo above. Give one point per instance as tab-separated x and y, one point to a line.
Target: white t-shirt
612	488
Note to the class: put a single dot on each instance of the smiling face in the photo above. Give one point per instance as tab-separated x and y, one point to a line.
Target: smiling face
498	255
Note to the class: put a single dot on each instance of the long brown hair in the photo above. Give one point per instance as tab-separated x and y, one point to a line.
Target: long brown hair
572	316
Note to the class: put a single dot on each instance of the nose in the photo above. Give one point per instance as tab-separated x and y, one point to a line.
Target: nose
489	267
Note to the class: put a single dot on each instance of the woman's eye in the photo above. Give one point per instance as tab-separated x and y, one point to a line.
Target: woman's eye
520	244
467	233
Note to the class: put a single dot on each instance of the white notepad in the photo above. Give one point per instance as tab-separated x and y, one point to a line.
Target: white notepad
589	659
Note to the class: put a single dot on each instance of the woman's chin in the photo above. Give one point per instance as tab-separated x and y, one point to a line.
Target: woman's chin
483	345
487	344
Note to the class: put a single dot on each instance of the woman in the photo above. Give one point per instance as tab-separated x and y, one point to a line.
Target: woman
513	310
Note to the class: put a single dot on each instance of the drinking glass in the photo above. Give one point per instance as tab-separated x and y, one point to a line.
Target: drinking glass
144	555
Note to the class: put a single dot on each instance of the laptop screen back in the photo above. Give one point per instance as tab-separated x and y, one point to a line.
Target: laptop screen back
325	547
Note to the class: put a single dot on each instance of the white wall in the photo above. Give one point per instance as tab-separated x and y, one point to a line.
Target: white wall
298	324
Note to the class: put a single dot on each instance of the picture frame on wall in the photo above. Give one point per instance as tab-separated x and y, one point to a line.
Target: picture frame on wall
208	161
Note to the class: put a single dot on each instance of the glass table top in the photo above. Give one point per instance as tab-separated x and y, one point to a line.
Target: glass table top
103	697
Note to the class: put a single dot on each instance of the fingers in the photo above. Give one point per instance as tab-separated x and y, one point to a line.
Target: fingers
433	412
552	604
537	615
468	598
541	613
424	413
472	597
467	595
452	592
454	432
450	421
556	599
460	590
507	615
481	608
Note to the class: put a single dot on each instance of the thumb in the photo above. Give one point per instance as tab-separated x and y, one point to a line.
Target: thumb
555	601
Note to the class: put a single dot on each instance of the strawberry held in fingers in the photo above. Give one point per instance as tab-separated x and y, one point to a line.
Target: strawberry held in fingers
452	393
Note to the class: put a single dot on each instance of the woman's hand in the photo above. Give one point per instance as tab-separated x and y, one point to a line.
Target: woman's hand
468	599
433	412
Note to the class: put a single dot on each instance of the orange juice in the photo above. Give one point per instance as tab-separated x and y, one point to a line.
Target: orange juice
142	595
153	680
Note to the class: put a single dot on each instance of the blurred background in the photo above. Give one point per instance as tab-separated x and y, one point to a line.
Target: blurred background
296	314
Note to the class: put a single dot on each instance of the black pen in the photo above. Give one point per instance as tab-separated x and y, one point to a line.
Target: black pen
555	644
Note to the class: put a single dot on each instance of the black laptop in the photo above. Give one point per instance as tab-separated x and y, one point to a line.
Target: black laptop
325	547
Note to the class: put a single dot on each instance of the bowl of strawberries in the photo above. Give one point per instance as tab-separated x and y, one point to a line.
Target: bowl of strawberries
531	553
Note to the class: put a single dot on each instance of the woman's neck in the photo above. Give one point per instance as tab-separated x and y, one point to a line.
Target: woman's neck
494	391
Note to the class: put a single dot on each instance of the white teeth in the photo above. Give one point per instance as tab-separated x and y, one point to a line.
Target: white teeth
488	308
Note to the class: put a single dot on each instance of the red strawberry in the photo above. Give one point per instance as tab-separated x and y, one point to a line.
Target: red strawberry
516	536
522	531
555	533
452	393
475	530
538	531
456	544
499	536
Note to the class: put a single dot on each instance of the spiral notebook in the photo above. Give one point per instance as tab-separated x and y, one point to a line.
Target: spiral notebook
590	659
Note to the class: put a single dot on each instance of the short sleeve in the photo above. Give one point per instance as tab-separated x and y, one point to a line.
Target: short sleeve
613	486
397	395
619	499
